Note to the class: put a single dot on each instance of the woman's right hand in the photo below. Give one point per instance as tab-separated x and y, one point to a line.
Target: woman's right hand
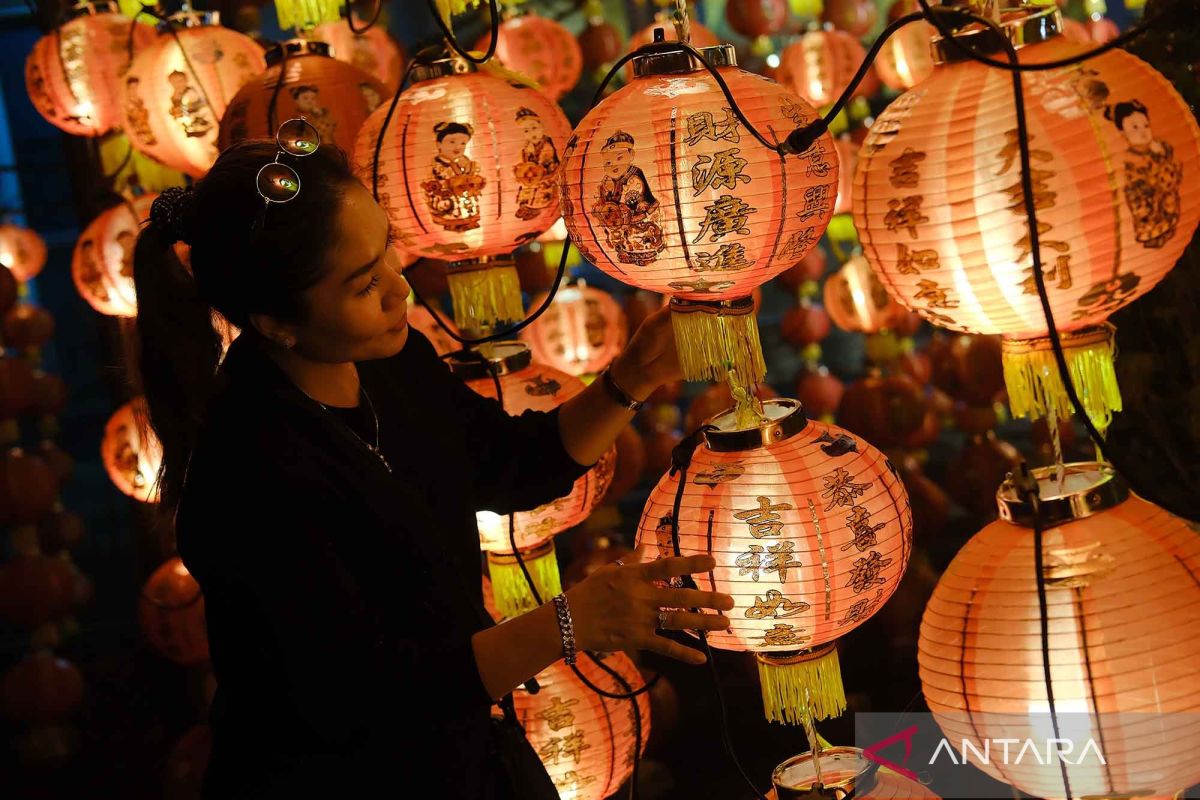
617	607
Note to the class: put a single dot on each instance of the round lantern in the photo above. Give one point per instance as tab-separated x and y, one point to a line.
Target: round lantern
132	456
373	51
819	391
28	487
587	742
28	327
819	65
1123	639
857	300
73	74
855	17
529	386
540	49
102	264
754	18
600	42
941	216
22	251
847	153
35	589
171	613
335	97
905	59
581	332
40	688
467	171
178	86
811	530
665	190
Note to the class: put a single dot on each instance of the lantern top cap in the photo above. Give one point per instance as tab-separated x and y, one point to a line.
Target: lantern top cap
189	19
441	68
797	774
1088	488
1022	24
782	419
91	7
296	47
503	358
674	62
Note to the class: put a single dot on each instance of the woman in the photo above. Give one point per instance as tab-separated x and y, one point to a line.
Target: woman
325	481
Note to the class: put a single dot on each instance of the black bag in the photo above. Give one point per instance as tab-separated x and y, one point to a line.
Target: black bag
519	770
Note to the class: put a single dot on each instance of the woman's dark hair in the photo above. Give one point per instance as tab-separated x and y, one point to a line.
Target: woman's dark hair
242	262
444	129
1120	111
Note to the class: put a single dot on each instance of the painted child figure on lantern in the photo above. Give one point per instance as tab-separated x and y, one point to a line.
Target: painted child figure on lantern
1152	175
307	104
538	168
137	116
453	193
188	106
625	205
90	274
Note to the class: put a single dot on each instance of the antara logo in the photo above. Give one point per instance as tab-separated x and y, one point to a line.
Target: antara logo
1028	752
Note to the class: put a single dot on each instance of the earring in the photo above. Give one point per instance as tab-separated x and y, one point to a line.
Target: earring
288	342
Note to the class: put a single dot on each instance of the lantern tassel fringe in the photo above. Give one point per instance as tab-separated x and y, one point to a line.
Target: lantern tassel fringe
1035	388
304	15
485	298
800	686
510	591
710	345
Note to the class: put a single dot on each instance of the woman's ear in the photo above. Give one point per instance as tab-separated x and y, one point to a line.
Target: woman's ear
273	330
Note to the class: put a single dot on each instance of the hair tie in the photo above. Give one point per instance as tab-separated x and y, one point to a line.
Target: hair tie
172	212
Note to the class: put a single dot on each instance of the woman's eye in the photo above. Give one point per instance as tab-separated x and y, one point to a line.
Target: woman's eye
370	286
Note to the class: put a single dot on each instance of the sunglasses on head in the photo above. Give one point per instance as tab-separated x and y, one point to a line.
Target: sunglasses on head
276	181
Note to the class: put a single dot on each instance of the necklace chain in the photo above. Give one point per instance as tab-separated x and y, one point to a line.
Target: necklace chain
374	448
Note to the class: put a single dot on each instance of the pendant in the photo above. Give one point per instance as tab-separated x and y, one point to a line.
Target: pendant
379	454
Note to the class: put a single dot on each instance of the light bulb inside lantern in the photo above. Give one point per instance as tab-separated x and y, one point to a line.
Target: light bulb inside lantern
84	112
773	61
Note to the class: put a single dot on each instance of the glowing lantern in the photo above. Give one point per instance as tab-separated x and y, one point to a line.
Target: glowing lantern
905	59
754	18
22	251
857	300
855	17
171	613
581	332
178	86
665	190
132	455
587	742
373	51
600	42
1123	608
541	49
73	74
333	96
102	264
811	530
847	153
819	65
467	170
529	386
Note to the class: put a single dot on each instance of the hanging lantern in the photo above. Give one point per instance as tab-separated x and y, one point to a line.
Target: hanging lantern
847	153
102	264
171	613
855	17
664	190
528	386
373	51
467	171
178	86
857	300
27	327
811	530
600	42
73	73
905	59
28	487
587	742
581	332
819	65
754	18
304	15
941	214
1123	637
132	456
541	49
334	97
22	251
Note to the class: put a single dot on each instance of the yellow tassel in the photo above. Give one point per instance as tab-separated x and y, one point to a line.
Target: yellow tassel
714	338
449	8
130	168
510	590
799	685
304	15
486	294
1036	390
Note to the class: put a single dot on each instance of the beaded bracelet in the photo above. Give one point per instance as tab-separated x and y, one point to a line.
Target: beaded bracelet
565	628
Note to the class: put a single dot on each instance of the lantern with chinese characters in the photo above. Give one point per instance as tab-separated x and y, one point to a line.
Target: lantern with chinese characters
131	454
587	742
171	613
102	264
1118	661
819	65
73	74
22	251
811	530
467	170
373	51
941	217
663	188
334	97
857	300
541	49
529	386
178	86
905	59
580	333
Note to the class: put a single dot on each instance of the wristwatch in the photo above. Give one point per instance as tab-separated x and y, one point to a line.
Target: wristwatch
619	395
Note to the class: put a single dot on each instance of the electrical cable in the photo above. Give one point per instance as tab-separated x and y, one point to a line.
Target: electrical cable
446	27
370	23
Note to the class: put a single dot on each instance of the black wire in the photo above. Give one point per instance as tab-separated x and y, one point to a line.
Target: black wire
448	32
273	102
370	23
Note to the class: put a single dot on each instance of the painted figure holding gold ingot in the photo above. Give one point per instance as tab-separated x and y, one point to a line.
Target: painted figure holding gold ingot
453	192
538	169
625	205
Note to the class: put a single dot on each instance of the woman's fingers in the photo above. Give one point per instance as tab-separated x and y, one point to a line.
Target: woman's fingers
666	568
692	598
672	649
692	621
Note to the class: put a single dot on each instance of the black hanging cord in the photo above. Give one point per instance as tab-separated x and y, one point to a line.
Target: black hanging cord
357	31
448	32
274	101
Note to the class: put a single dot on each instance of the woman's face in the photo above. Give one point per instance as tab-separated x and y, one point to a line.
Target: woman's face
452	146
359	310
1136	128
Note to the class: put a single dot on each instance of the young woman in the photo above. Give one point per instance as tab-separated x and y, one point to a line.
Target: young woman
325	479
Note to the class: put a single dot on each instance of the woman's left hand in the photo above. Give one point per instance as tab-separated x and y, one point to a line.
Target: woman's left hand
650	358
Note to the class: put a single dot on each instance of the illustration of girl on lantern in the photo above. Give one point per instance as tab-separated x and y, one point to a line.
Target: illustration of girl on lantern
625	205
538	168
188	106
453	192
1152	175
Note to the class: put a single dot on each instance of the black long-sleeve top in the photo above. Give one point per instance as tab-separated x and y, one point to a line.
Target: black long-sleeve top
341	599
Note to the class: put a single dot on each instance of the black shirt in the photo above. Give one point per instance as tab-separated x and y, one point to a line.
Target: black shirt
341	599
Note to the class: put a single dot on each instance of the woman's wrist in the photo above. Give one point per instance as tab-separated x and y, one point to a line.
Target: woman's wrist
631	379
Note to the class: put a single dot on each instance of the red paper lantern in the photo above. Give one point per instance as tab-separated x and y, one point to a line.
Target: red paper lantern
22	251
754	18
858	301
40	688
581	332
586	742
809	268
981	466
28	327
17	386
49	395
855	17
102	264
421	318
540	49
819	65
805	324
819	391
179	85
335	97
35	589
885	410
374	52
73	74
1124	636
905	59
847	153
171	613
600	43
28	487
132	455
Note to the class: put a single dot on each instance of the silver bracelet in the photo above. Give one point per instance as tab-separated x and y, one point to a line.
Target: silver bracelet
565	628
